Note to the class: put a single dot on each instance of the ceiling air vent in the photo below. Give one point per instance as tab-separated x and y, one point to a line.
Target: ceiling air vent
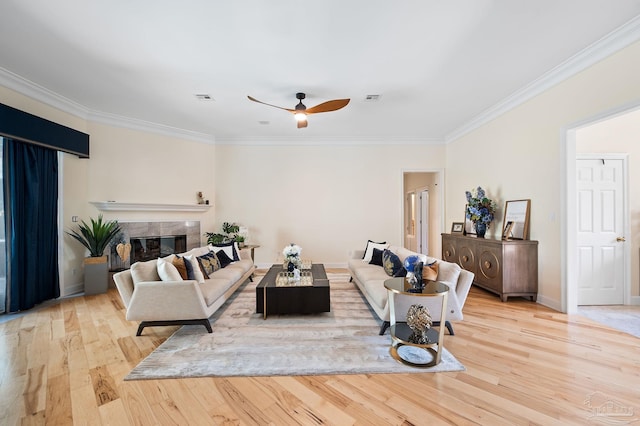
203	97
372	98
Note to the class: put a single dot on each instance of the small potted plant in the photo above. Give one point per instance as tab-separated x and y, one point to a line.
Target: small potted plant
96	237
229	234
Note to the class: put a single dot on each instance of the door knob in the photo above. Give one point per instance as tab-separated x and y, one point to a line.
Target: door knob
621	239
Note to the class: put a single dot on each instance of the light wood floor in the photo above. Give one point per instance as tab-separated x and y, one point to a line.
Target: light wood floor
525	364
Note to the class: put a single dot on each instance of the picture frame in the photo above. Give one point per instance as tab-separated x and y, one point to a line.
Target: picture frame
518	213
457	228
469	229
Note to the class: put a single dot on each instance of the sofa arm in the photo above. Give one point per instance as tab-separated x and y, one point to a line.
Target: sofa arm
356	254
464	285
167	300
245	255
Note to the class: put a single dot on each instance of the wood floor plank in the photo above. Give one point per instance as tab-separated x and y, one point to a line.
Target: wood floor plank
65	362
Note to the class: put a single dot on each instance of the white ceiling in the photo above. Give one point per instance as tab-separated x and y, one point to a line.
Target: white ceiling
436	65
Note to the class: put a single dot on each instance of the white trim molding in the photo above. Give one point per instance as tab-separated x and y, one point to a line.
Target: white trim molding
613	42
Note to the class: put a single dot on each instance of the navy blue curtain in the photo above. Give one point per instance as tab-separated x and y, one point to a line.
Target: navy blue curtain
31	208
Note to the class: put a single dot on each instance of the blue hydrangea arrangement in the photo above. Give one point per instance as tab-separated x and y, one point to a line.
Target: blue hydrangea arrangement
479	207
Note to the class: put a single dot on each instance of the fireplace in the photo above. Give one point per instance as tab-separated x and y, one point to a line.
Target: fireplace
149	248
150	240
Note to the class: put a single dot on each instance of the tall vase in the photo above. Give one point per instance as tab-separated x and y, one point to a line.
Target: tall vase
481	229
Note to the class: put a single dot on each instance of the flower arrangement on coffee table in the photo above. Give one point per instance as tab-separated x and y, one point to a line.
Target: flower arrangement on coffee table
292	256
480	210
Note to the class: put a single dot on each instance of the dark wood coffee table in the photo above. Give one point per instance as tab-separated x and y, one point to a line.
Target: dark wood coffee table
294	299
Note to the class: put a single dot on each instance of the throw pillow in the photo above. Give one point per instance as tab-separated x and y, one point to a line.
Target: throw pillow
144	271
376	258
209	263
229	248
368	251
167	271
449	273
223	258
392	264
179	263
430	271
195	267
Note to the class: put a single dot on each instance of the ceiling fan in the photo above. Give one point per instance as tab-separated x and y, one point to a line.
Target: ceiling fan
301	111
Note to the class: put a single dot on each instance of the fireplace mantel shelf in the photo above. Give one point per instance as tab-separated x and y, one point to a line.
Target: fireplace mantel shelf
111	206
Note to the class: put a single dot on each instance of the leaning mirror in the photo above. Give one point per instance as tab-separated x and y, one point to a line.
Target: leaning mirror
516	220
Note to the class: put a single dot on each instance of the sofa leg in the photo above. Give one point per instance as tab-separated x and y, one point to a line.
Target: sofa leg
204	322
384	326
350	279
447	324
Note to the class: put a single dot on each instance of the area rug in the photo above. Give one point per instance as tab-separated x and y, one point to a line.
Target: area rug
343	341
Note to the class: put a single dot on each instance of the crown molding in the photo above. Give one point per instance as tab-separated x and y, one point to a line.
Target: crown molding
336	140
613	42
41	94
147	126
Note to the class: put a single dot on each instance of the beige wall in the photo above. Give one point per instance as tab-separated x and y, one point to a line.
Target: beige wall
127	166
329	199
520	154
620	135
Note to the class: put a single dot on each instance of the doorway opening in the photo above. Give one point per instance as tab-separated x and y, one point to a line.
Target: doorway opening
611	132
423	214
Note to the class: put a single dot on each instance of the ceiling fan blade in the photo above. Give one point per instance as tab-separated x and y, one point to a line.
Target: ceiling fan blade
302	124
275	106
328	106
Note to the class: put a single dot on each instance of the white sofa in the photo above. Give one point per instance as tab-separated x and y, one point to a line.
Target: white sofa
370	280
155	302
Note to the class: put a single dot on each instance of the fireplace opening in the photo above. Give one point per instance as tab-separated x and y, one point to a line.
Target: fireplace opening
149	248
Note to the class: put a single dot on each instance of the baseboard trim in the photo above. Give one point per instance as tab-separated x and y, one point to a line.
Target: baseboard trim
549	303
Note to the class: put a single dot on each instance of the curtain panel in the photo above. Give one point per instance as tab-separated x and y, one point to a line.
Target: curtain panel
31	208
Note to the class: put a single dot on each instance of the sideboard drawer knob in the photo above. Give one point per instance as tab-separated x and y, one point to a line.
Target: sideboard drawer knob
465	258
487	264
447	253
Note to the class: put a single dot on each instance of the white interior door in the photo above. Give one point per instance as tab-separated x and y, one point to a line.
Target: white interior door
600	222
423	228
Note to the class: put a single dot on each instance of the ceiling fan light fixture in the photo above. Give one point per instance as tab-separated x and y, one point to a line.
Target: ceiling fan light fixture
300	116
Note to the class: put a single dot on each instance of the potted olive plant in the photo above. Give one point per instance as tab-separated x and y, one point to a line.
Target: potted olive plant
96	237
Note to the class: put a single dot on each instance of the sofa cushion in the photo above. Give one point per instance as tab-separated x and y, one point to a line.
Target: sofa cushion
392	264
430	271
209	263
368	252
376	258
230	273
213	288
230	250
144	271
179	263
166	270
223	258
377	292
195	267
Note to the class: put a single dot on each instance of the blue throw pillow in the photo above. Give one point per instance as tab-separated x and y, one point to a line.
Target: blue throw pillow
392	264
376	258
223	258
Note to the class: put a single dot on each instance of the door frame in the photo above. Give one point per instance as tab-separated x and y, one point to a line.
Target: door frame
439	173
626	226
568	208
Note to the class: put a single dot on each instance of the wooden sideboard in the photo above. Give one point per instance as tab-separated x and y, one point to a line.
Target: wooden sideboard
505	267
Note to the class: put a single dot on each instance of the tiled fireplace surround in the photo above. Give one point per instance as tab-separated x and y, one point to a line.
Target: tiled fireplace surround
154	229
